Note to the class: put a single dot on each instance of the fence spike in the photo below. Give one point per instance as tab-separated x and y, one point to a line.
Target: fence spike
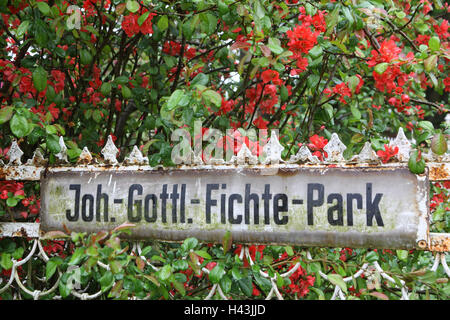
304	155
403	144
37	160
136	157
273	149
244	154
62	155
85	156
429	156
367	154
110	151
335	149
14	154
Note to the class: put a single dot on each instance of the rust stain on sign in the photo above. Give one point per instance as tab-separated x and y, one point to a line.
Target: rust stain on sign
439	242
377	207
440	172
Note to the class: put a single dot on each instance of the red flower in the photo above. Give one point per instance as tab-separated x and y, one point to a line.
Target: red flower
147	27
317	142
387	154
59	78
301	39
130	25
260	123
271	75
388	52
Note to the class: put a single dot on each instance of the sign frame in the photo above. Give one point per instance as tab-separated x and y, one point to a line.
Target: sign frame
393	240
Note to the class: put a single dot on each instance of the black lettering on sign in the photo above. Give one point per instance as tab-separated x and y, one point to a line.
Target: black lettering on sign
251	197
182	203
76	212
314	202
87	214
131	203
174	196
231	199
223	218
372	207
277	208
210	202
154	199
339	220
359	204
163	196
266	197
104	197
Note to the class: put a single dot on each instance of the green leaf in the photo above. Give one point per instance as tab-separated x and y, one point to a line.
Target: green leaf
203	254
315	52
39	77
289	250
23	27
19	126
227	241
105	89
12	202
381	67
439	144
64	289
355	112
6	114
52	142
97	115
225	284
163	23
434	43
372	256
427	125
274	45
246	286
259	10
200	79
51	267
44	8
85	57
337	280
353	82
319	292
430	63
179	287
106	281
126	92
416	165
5	261
143	17
213	96
174	99
189	244
77	256
216	274
121	80
165	272
132	6
402	254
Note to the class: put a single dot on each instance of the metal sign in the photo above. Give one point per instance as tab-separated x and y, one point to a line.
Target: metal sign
377	207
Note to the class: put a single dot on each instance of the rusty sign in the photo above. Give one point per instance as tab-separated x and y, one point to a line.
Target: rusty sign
378	207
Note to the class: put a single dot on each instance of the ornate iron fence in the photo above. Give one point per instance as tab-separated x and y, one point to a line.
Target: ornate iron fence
437	243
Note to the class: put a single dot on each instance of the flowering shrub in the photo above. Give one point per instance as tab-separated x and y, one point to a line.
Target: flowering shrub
137	70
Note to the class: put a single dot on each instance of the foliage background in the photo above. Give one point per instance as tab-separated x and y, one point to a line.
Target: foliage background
139	70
